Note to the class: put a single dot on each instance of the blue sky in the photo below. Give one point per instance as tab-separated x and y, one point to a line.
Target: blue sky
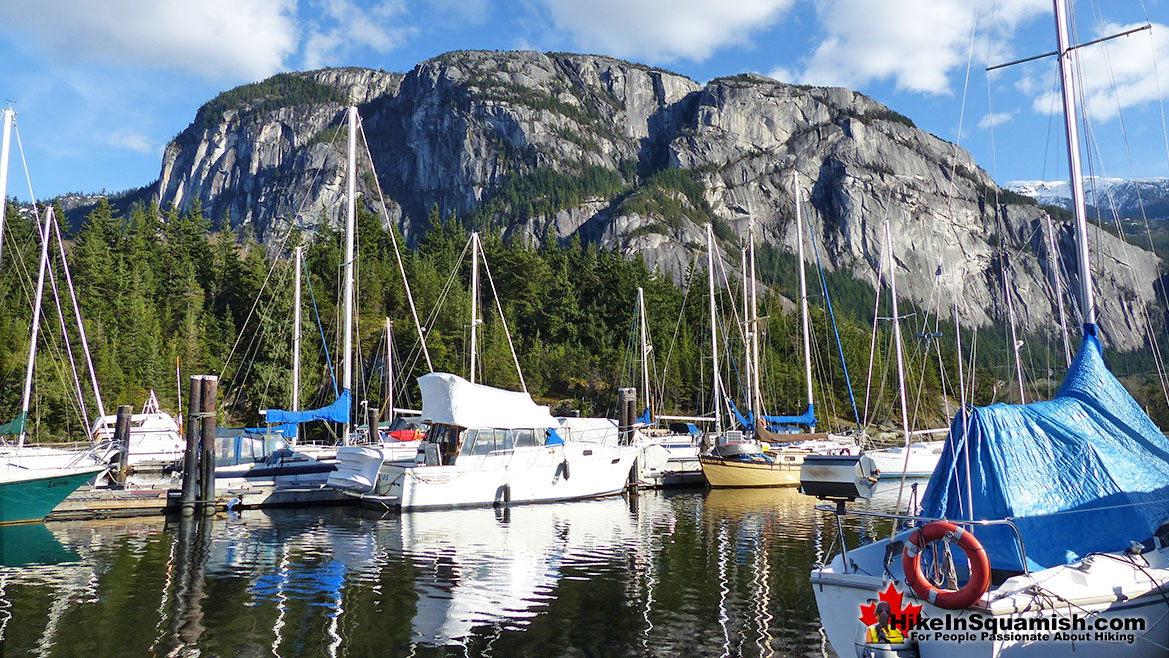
101	87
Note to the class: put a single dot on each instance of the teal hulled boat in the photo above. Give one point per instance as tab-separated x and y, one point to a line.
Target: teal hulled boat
29	495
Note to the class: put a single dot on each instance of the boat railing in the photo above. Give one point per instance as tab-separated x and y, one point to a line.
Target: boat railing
597	435
839	511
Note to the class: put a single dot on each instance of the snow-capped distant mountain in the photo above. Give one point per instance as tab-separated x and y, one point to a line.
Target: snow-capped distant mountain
1125	195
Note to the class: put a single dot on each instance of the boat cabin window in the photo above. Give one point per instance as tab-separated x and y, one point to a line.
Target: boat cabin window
525	438
451	440
482	442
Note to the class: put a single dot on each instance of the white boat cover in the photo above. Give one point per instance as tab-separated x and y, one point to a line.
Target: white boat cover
589	429
451	400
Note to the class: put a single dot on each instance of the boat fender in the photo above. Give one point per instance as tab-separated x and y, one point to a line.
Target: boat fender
564	468
503	496
946	598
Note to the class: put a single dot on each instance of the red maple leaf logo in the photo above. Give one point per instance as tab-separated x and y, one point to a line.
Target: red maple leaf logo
900	618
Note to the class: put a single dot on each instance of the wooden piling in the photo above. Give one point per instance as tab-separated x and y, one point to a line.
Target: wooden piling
122	441
191	454
210	386
371	415
626	399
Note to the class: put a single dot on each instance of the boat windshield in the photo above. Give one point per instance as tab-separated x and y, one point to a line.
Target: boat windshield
482	442
232	449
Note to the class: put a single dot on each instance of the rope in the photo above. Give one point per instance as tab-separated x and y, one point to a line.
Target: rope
51	339
503	321
832	316
280	249
397	253
320	326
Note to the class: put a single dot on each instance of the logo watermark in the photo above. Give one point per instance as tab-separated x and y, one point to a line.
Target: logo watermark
888	622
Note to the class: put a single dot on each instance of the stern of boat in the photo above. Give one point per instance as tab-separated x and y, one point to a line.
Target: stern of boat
358	468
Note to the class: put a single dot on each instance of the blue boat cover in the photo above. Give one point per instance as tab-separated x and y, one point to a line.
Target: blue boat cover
774	423
338	412
287	430
1086	471
645	418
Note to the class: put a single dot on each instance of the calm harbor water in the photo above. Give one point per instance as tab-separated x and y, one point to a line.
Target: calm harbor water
686	573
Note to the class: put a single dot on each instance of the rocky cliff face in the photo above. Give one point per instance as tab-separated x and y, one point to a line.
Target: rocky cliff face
551	146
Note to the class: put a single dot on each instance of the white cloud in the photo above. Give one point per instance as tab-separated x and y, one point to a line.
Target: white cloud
237	39
783	74
993	119
916	44
344	26
467	12
1116	75
132	141
663	30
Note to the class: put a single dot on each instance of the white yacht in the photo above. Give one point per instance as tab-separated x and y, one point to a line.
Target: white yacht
155	436
488	446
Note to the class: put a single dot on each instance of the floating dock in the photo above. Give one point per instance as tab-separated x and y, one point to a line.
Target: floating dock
100	503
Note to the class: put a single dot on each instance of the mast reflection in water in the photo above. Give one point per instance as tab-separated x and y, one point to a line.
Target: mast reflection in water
698	573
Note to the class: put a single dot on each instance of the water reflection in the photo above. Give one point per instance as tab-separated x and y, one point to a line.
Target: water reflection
656	574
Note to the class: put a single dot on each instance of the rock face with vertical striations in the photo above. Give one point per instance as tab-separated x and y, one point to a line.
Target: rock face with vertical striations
552	147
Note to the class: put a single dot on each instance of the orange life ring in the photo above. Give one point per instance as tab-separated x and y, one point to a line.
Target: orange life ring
946	598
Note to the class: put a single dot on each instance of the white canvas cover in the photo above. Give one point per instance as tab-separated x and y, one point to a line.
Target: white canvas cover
451	400
593	430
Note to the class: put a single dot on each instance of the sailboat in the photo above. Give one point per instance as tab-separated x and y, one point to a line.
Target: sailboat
269	456
488	446
1060	506
770	459
668	458
34	480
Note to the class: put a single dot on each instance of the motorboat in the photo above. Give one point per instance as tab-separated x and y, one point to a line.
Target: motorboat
488	446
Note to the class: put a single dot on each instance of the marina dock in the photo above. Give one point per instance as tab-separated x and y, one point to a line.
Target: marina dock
101	503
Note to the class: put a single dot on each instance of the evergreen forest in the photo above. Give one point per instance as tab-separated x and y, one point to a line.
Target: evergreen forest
164	297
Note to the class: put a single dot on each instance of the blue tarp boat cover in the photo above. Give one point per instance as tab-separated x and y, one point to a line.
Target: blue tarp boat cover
775	423
287	430
1086	471
338	412
645	418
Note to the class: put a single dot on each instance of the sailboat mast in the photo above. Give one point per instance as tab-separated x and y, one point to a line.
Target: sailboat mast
8	114
644	352
803	293
36	326
748	364
296	334
350	221
1067	86
101	409
389	371
897	342
756	372
474	300
718	423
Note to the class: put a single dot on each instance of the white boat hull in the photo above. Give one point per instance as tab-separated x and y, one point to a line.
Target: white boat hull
526	475
666	461
923	459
